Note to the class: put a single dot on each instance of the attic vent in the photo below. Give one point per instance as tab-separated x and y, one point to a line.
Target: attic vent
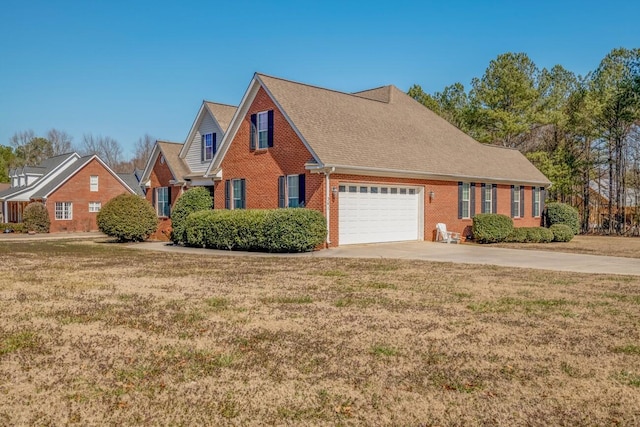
161	159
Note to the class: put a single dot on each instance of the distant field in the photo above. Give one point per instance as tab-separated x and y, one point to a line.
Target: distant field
93	333
628	247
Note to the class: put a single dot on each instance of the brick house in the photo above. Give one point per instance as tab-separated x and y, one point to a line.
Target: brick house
379	165
73	189
174	167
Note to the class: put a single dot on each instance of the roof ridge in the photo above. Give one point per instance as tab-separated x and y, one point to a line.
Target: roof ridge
320	87
162	141
220	103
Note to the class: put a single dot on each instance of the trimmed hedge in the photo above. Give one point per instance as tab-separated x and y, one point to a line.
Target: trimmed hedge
13	226
517	235
562	213
274	230
491	228
561	232
193	200
128	218
36	218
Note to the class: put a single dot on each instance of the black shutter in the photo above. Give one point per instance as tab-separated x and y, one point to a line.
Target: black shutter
533	201
522	201
472	200
281	192
301	190
459	200
168	211
483	199
542	199
153	196
513	211
494	198
202	148
254	131
227	194
215	144
270	128
243	194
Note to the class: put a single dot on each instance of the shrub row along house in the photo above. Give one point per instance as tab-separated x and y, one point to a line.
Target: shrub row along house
72	187
379	166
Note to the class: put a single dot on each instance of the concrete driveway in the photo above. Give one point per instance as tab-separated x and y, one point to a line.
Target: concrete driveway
465	254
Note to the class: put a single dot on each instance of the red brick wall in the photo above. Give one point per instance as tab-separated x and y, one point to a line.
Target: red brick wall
261	168
160	177
77	191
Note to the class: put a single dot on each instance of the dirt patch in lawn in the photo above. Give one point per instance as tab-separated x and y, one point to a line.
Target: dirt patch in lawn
628	247
98	334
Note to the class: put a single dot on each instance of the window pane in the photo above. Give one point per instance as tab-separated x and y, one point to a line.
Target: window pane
394	191
363	189
293	191
412	191
353	189
342	189
263	121
403	191
263	139
384	190
374	190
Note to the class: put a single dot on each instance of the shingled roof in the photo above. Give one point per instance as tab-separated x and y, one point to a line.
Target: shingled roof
171	153
223	113
385	130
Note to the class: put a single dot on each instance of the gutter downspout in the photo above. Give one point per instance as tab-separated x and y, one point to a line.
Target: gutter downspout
327	172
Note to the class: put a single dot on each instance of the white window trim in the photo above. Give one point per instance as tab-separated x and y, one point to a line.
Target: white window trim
159	212
64	211
205	142
93	186
488	191
265	130
233	193
466	202
516	201
536	202
287	197
95	207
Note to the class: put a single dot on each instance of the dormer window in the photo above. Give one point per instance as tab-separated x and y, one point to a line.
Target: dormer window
261	130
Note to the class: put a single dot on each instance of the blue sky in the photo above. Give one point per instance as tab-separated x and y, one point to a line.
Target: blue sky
126	68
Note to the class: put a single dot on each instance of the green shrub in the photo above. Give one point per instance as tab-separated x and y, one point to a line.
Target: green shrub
293	230
193	200
561	213
561	232
128	218
491	228
36	217
517	235
15	227
276	230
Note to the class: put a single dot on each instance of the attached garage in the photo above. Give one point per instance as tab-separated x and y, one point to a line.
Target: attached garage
371	213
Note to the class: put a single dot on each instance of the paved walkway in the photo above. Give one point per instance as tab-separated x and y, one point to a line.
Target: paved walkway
429	251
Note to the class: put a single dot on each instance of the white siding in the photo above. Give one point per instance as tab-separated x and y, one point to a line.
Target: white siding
207	125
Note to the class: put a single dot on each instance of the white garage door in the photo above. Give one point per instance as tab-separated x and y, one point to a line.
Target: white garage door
379	213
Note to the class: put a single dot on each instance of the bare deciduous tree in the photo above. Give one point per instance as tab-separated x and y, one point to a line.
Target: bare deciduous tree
29	149
105	147
144	147
61	141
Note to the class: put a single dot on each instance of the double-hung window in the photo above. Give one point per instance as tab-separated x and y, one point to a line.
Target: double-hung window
64	210
95	206
291	191
235	194
208	146
163	202
515	204
465	200
93	183
536	201
487	198
263	129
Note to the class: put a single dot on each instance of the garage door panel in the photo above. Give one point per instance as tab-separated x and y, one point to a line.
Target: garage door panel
378	213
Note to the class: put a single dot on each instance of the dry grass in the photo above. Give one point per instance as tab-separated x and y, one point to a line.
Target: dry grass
628	247
97	334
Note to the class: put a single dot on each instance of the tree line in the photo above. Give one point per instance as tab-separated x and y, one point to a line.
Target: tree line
582	132
25	148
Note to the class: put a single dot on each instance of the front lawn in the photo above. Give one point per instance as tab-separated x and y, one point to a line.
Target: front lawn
628	247
94	333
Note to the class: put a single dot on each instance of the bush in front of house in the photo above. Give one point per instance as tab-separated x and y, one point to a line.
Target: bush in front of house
193	200
561	232
562	213
36	218
491	228
517	235
128	218
16	227
265	230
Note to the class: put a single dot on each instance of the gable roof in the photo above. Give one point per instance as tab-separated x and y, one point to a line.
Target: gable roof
60	179
171	152
132	182
221	114
384	131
